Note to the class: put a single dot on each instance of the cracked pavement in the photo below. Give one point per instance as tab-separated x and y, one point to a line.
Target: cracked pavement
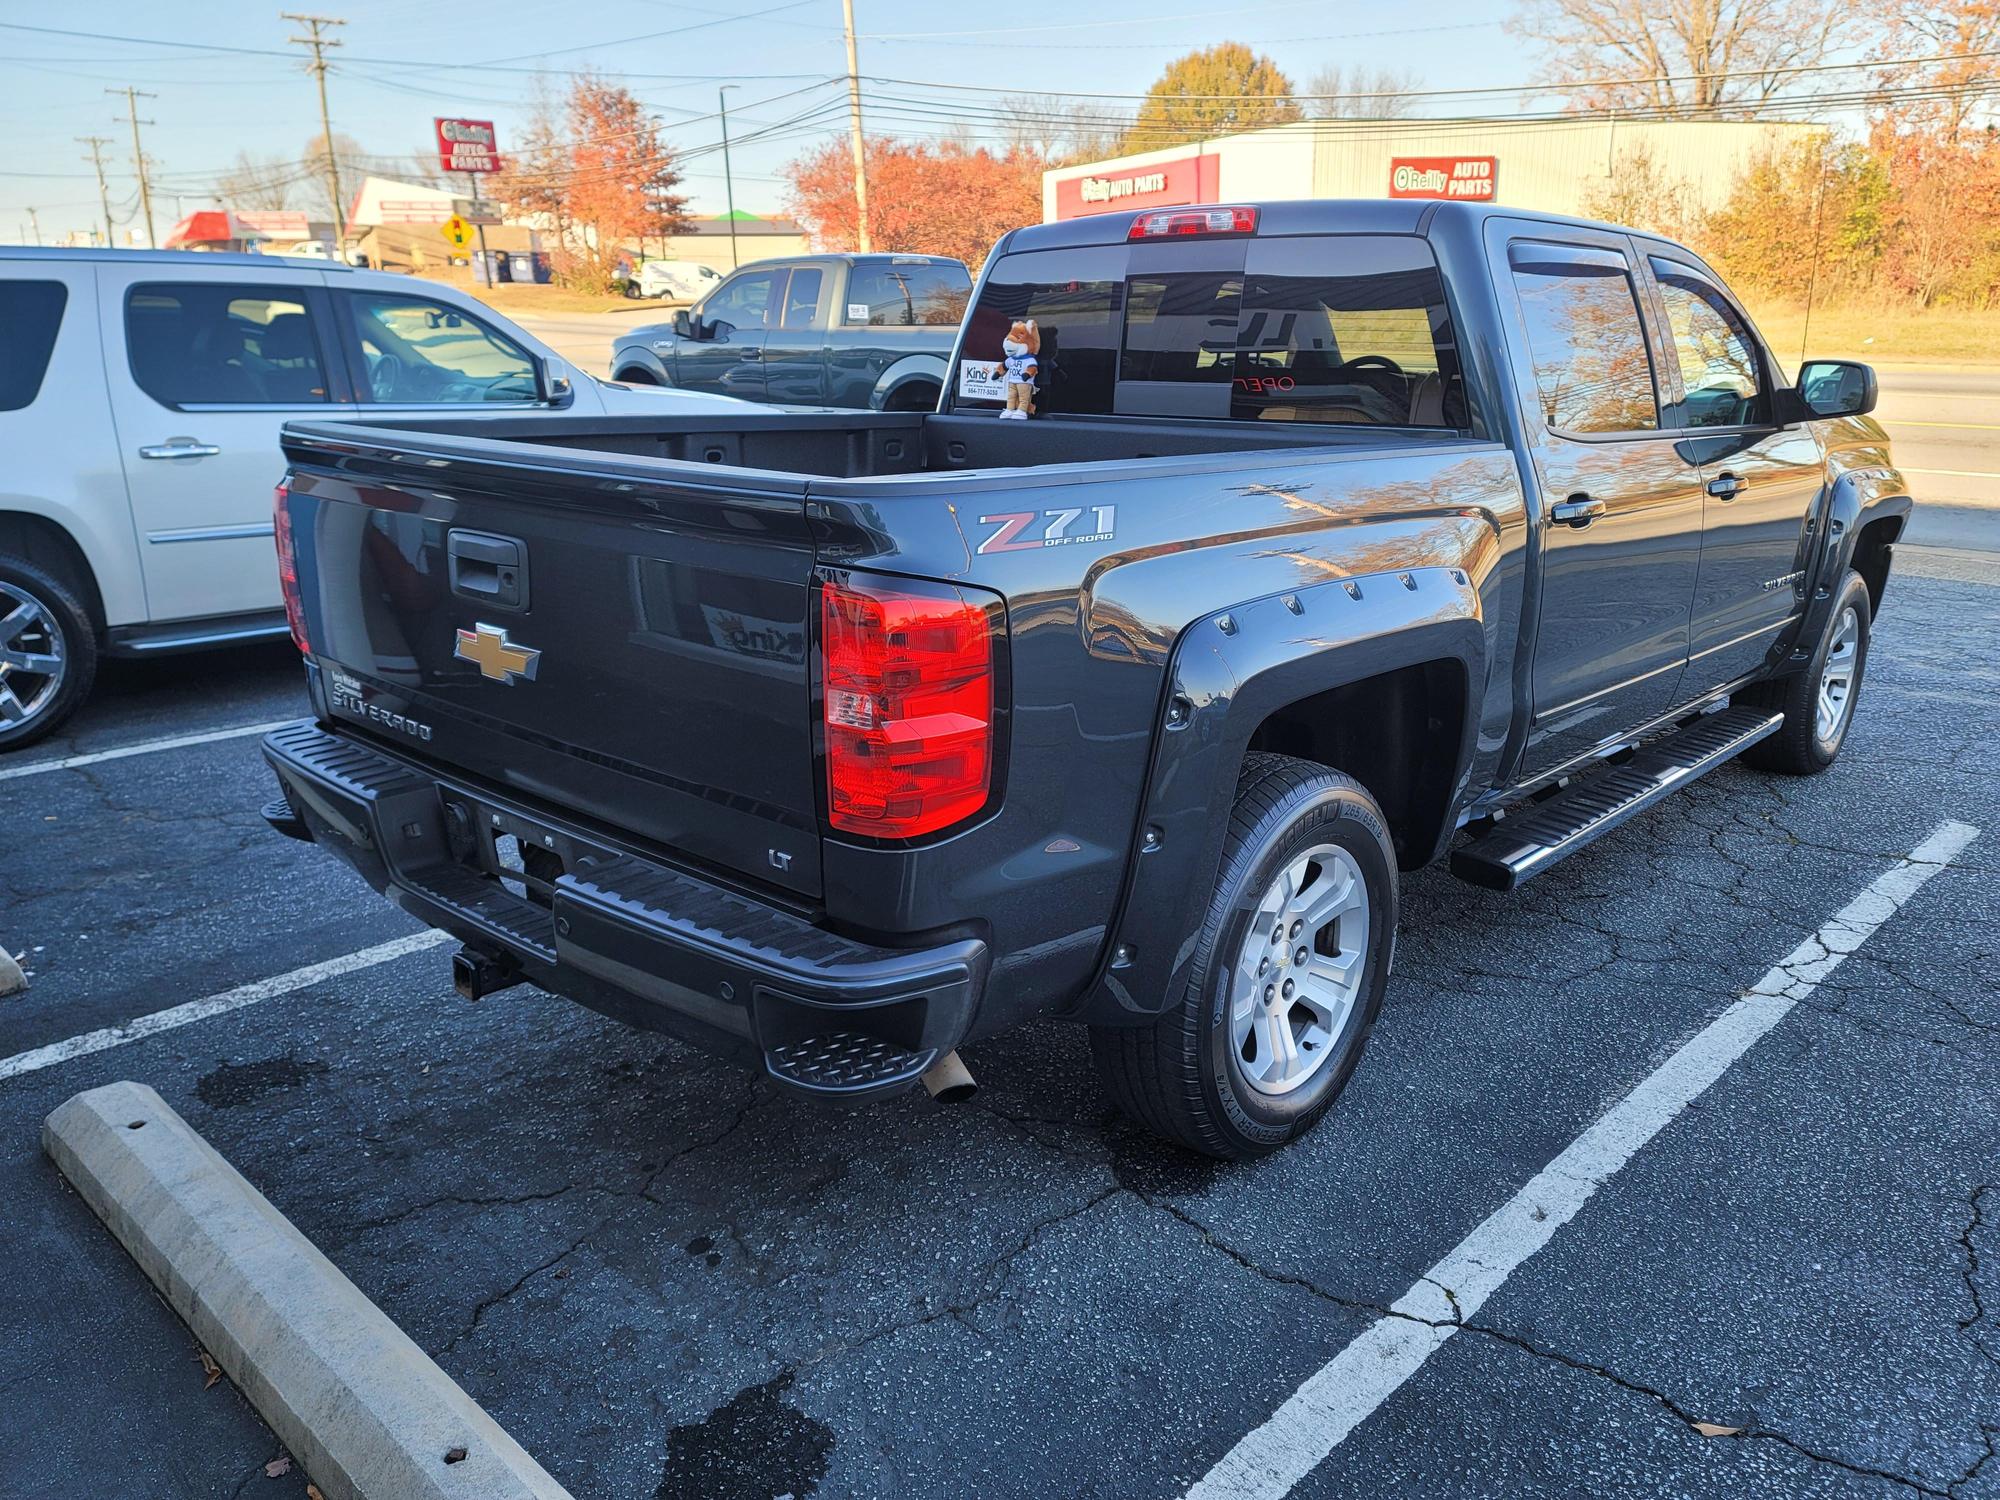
668	1280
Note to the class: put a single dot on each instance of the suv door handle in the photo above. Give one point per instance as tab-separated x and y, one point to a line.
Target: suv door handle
179	448
1725	486
1578	511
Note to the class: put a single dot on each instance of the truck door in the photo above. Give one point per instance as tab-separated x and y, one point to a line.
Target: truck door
1762	482
203	371
795	350
1618	502
728	360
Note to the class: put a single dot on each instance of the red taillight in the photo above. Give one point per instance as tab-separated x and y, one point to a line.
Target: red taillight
1175	222
908	686
288	568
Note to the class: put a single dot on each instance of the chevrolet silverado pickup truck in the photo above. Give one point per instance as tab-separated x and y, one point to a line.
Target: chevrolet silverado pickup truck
1346	537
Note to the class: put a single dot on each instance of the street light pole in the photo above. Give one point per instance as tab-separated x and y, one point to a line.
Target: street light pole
728	178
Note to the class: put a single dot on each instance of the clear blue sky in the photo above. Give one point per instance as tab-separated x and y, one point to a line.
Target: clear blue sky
404	61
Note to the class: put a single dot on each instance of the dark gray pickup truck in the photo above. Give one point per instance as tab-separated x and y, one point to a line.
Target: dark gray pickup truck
1346	537
866	331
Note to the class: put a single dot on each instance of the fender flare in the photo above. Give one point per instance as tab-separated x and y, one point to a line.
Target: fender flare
639	355
927	367
1230	670
1855	500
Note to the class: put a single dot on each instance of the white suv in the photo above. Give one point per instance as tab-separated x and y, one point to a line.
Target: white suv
141	393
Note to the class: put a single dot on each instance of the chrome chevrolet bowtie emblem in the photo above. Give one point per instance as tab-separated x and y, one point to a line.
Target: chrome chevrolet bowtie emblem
487	648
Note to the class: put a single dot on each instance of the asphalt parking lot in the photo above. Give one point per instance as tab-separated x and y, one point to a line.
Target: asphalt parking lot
665	1279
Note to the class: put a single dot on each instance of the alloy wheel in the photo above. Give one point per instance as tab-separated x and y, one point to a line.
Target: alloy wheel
1836	678
32	656
1299	972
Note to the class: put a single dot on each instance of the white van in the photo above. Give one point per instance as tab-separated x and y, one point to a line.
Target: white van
141	393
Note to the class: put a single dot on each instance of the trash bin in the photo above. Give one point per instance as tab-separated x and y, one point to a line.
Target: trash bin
522	266
489	266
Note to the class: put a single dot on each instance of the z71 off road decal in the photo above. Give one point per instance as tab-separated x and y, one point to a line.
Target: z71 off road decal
1026	530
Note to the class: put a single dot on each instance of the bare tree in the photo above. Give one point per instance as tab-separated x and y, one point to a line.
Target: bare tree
1060	133
259	182
1679	58
1964	33
1337	93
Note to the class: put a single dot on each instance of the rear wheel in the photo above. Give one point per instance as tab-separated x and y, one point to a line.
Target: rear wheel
1288	973
919	395
1819	702
636	377
48	652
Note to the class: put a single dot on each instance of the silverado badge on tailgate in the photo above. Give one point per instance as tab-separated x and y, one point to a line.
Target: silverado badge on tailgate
487	648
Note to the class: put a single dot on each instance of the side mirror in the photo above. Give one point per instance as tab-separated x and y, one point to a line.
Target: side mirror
1836	388
552	384
684	324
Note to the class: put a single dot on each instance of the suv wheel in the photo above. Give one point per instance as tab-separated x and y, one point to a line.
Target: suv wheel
1288	974
1819	702
48	653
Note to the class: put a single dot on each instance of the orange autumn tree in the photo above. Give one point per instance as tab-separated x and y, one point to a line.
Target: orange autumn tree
595	167
924	197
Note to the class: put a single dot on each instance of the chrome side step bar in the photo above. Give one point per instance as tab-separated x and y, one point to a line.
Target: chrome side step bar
1521	847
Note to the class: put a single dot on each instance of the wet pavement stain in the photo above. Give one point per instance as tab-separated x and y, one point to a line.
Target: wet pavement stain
241	1083
753	1447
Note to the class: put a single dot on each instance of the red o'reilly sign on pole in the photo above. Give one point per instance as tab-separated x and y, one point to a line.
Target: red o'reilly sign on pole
468	146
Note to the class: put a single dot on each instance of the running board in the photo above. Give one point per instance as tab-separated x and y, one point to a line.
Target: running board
1523	846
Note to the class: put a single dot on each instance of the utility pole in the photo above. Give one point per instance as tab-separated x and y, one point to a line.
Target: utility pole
35	221
728	180
319	42
97	143
132	98
854	116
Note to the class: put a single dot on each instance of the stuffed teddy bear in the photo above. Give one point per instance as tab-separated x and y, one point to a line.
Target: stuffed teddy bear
1021	346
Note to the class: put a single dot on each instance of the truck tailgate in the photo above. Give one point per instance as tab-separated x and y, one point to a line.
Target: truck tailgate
632	650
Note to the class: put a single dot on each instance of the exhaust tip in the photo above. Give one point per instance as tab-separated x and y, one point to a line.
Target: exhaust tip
950	1081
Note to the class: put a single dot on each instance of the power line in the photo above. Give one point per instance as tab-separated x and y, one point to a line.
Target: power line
132	98
318	41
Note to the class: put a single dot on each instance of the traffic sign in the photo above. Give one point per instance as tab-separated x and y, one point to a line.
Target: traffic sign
457	231
476	210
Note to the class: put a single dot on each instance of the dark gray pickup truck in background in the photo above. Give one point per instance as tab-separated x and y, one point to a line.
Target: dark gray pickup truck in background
865	331
1346	537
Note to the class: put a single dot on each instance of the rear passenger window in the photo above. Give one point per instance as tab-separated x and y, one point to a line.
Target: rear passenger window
30	314
218	343
802	300
1593	372
907	294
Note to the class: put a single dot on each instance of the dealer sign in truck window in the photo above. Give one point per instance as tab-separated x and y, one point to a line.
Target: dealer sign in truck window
1473	178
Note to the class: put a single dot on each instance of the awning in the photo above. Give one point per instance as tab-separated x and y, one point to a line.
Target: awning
210	226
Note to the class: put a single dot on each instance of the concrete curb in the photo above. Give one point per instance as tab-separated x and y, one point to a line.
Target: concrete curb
367	1412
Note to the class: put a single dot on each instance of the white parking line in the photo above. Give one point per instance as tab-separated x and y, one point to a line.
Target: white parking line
216	1005
144	747
1273	1458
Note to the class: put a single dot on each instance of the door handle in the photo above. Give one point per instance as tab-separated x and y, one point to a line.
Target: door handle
1578	511
179	448
1725	486
753	353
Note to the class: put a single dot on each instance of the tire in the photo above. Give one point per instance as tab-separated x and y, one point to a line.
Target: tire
1807	743
41	621
918	395
635	377
1203	1077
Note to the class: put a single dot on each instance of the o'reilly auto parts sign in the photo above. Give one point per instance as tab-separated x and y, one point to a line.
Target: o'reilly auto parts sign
1473	179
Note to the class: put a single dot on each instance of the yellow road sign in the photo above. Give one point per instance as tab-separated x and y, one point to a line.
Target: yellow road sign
457	231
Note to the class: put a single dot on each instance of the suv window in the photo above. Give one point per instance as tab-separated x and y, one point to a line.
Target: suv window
742	301
1593	372
1325	328
1720	370
417	350
802	297
223	343
897	294
30	314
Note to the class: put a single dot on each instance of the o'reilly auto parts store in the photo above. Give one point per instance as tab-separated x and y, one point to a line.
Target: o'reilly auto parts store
1553	166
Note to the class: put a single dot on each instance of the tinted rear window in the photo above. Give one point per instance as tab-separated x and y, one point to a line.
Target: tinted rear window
1330	328
223	343
30	314
905	294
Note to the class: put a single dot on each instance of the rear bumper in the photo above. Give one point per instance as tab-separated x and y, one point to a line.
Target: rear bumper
649	944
